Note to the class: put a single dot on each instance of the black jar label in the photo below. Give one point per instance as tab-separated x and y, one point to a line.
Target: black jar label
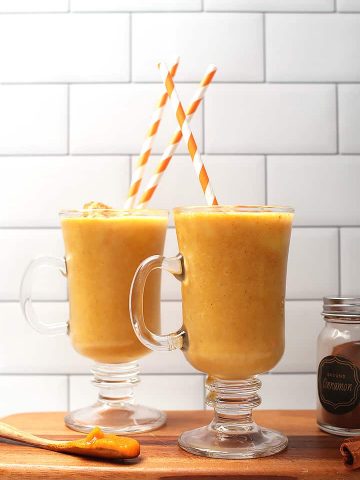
338	384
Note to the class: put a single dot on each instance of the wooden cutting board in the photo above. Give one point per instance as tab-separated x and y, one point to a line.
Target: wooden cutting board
311	453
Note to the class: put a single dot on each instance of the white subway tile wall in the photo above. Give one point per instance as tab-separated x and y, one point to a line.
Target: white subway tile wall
33	119
113	119
349	112
33	6
169	392
348	5
17	248
350	261
288	392
78	83
40	52
270	5
309	247
135	5
233	42
318	48
25	351
268	118
103	178
323	189
33	393
303	325
239	179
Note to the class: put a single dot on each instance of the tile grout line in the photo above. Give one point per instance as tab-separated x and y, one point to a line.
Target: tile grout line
167	12
26	227
163	301
68	392
217	154
203	127
264	46
157	374
171	227
204	392
15	300
88	374
37	374
339	261
182	82
68	122
130	171
266	178
310	372
130	48
337	119
177	374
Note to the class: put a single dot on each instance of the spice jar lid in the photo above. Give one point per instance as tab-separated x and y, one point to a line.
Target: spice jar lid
342	307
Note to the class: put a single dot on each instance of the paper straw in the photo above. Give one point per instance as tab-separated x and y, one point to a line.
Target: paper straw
147	145
175	139
188	135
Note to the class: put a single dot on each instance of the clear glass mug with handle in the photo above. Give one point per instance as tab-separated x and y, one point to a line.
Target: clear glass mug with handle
103	249
232	270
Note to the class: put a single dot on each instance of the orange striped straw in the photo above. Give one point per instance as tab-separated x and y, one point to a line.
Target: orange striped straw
147	145
175	139
188	135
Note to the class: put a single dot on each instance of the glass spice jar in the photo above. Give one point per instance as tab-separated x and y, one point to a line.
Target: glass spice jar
338	409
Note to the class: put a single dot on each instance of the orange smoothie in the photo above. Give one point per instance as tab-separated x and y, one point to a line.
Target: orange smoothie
102	254
234	288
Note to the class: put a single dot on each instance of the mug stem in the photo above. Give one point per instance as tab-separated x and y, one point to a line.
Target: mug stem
232	433
233	402
116	382
115	410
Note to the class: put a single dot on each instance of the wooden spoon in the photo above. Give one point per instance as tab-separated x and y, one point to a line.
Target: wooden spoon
95	444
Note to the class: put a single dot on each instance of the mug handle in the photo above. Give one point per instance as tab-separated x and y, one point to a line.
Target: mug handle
26	296
173	265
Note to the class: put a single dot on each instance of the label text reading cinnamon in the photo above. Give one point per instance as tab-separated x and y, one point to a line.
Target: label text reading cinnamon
337	386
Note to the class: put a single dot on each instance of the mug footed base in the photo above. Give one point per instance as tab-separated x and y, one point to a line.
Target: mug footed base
209	443
233	434
115	411
126	418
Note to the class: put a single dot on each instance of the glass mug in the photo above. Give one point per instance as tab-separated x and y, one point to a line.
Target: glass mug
103	249
232	269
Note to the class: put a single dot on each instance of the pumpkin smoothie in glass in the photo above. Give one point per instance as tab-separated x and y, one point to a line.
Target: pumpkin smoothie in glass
232	267
102	254
103	247
233	289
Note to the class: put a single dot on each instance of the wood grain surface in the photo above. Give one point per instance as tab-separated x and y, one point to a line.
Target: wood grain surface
310	454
